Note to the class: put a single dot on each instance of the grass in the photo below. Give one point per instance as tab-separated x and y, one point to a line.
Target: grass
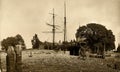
51	61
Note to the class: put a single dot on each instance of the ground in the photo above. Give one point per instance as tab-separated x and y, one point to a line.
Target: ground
51	61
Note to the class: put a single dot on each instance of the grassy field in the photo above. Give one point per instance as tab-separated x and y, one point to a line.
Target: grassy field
51	61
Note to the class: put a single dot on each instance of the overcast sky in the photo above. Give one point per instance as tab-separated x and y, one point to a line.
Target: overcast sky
27	17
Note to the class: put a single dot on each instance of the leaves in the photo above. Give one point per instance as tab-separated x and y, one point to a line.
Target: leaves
97	33
12	41
118	49
35	42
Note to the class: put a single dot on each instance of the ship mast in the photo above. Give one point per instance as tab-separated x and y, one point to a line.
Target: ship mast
53	29
65	30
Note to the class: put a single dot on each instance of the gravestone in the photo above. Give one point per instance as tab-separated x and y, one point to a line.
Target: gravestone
18	51
10	59
14	59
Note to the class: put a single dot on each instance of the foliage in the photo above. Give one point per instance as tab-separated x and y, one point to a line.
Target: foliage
12	41
97	35
118	49
35	42
20	41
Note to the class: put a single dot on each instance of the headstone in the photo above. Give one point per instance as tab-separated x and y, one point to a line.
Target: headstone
11	59
18	51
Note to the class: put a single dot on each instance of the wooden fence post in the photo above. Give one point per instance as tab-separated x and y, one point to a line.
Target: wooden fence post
10	59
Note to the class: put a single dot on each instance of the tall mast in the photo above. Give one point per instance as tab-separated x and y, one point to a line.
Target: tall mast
53	28
65	36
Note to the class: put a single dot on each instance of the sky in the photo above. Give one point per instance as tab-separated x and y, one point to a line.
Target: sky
27	17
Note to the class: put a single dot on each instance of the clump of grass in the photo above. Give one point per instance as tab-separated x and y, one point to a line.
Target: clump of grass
117	56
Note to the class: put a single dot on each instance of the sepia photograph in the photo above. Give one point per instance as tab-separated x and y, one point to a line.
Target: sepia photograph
59	35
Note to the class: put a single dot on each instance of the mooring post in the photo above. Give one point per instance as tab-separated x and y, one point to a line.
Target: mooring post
18	51
10	59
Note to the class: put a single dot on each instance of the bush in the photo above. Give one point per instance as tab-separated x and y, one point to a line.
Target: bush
97	35
118	49
12	41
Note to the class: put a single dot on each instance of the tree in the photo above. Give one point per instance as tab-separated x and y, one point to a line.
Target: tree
12	41
118	49
20	41
35	42
97	35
